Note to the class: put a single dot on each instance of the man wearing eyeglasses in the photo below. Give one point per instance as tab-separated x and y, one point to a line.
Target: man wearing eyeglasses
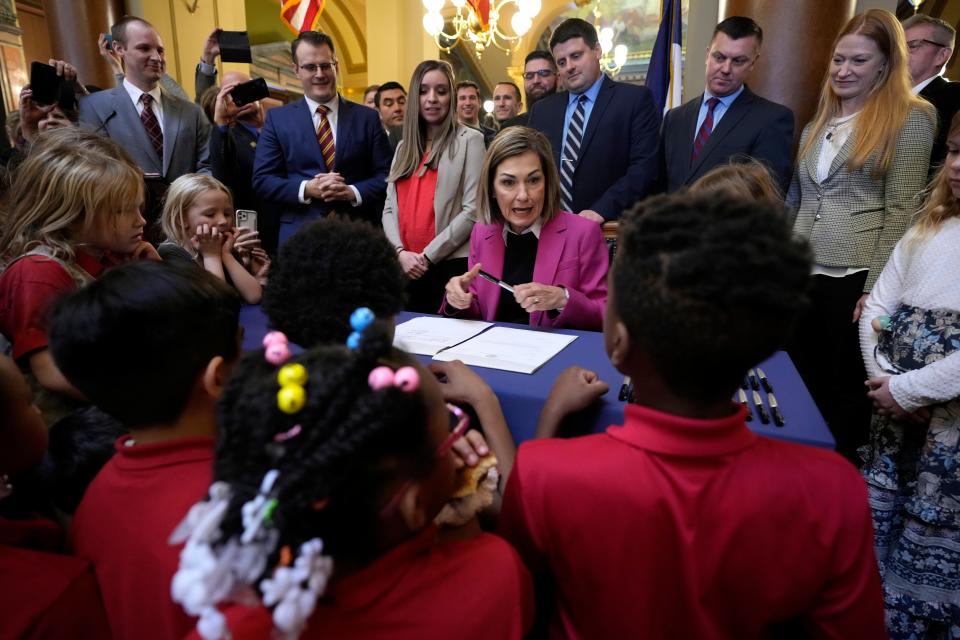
322	154
539	81
930	44
728	121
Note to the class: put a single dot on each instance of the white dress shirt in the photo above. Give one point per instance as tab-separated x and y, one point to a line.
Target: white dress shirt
135	92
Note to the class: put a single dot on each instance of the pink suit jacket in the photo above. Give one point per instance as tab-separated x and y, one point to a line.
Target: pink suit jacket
571	252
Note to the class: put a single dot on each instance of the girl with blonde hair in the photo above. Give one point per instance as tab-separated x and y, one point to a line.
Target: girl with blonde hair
432	187
74	210
910	341
863	159
198	220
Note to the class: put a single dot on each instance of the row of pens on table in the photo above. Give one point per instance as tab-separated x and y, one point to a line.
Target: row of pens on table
755	381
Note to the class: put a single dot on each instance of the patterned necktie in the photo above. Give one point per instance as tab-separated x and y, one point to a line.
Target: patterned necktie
705	129
325	137
571	151
151	124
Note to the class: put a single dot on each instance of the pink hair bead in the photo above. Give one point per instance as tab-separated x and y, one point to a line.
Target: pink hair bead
407	379
277	353
274	337
380	378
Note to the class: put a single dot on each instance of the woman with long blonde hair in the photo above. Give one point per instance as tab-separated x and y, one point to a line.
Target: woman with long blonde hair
432	187
863	160
910	341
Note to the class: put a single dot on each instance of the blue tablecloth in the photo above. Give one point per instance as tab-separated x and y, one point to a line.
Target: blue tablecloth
522	395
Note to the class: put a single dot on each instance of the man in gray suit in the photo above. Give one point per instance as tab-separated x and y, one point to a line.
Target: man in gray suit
728	122
166	136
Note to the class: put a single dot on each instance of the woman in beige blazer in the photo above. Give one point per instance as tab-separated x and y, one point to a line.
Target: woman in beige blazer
432	188
862	163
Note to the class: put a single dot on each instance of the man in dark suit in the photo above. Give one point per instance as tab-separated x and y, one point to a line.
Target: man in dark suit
390	101
930	44
603	133
468	109
728	121
539	81
321	154
166	136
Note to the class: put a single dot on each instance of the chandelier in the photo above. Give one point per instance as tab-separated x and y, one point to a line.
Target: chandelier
477	22
612	58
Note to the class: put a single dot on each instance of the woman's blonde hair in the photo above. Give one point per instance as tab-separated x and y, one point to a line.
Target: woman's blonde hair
940	203
889	102
747	181
511	142
411	148
180	197
72	181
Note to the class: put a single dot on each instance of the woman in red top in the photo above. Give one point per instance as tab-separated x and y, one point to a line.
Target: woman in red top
432	188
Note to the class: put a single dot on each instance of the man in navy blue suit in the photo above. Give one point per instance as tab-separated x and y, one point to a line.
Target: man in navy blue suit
728	122
604	133
321	154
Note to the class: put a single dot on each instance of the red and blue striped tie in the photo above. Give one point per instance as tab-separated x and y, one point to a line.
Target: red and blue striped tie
705	129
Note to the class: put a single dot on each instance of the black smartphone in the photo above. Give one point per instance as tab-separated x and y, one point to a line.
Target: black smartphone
234	46
44	83
244	94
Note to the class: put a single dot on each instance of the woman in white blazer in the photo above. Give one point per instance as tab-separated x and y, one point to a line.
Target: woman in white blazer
432	188
863	160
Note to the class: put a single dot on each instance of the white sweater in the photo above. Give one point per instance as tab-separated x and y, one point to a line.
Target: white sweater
924	275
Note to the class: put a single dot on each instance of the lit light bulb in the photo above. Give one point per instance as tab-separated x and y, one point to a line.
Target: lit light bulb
620	55
521	23
458	3
433	23
488	106
529	8
433	6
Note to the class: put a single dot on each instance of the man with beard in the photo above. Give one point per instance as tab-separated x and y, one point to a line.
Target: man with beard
539	81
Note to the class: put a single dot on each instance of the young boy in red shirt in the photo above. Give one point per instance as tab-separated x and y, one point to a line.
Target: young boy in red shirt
682	523
151	344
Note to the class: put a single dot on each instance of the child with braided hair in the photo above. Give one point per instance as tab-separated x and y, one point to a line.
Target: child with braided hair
330	469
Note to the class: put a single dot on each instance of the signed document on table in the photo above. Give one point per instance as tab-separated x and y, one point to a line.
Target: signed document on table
508	349
428	335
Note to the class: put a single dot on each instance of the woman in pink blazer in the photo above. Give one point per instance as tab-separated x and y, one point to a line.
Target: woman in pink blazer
555	261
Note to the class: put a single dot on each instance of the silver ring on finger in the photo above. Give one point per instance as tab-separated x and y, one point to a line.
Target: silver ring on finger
536	301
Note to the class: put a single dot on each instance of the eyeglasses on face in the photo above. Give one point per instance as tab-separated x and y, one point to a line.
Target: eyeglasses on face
323	66
913	45
459	423
543	73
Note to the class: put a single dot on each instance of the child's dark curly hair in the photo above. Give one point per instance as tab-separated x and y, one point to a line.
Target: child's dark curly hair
324	272
354	444
708	287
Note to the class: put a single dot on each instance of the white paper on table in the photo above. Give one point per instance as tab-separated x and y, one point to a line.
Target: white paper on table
507	349
427	335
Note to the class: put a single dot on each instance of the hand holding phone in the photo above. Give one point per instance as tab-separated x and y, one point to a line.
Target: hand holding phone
248	92
246	218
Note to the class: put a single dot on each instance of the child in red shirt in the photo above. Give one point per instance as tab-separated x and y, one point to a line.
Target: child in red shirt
151	344
682	523
75	210
45	594
330	470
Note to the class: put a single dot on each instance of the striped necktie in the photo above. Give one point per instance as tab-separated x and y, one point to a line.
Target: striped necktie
705	129
571	151
325	137
151	124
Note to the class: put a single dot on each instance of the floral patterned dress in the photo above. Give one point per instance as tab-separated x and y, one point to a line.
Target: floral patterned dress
913	477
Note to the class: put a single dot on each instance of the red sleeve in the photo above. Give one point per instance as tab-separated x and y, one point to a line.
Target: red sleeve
27	289
77	613
516	523
850	605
